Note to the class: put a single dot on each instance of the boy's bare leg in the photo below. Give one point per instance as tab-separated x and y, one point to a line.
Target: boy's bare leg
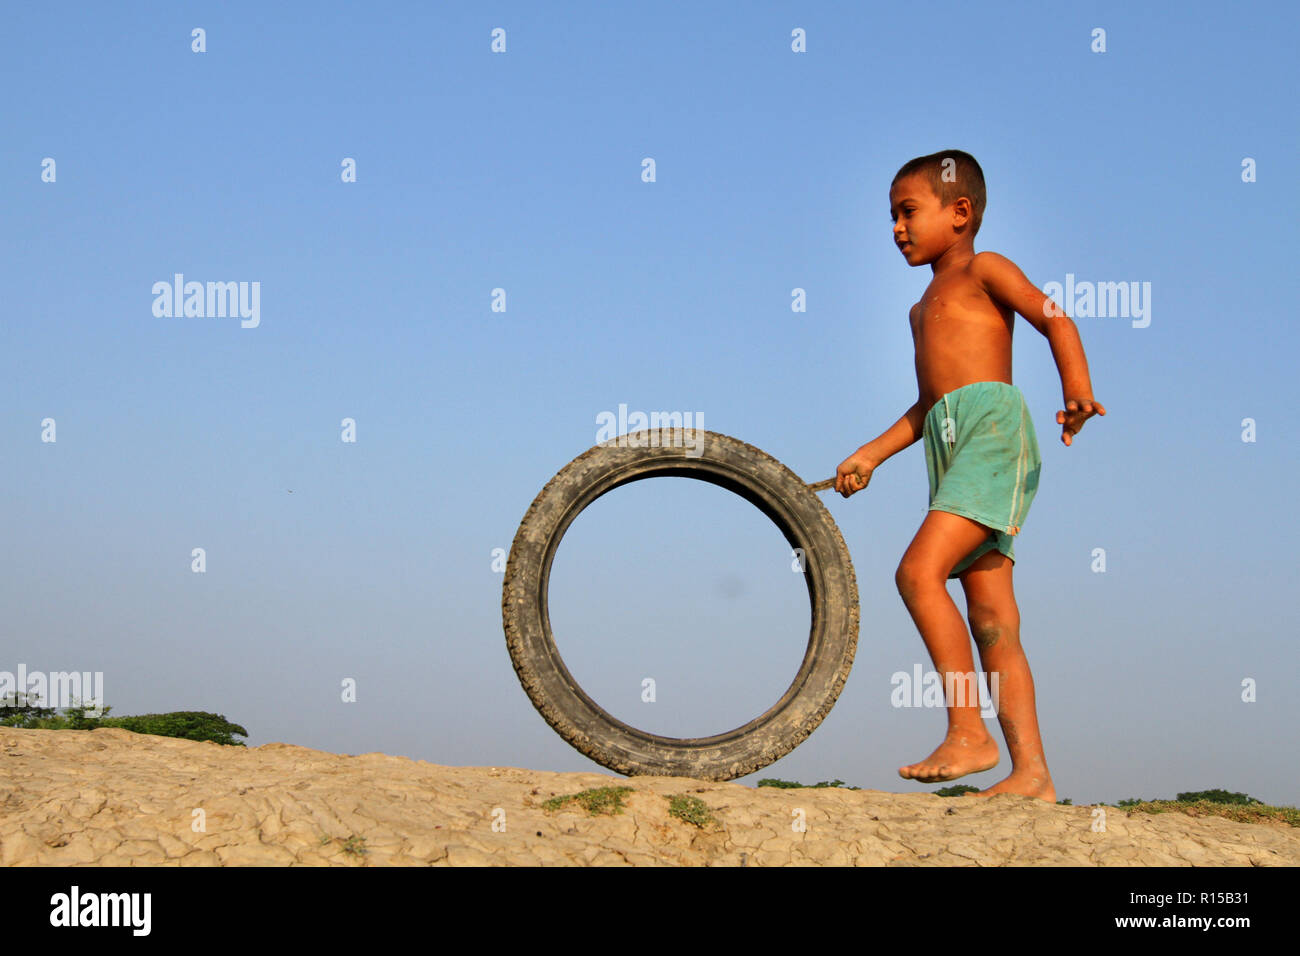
943	540
995	625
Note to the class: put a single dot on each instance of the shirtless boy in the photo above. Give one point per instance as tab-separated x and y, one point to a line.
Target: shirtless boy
982	457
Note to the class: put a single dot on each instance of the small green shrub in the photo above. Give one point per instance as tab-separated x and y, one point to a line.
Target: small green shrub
956	790
602	800
690	809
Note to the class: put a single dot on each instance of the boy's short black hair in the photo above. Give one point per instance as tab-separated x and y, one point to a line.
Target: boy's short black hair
960	176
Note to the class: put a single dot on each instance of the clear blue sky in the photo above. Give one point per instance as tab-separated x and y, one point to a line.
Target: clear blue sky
522	171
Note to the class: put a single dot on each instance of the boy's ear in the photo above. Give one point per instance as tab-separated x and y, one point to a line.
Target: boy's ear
961	207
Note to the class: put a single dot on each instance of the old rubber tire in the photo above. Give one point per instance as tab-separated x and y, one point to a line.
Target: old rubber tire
781	495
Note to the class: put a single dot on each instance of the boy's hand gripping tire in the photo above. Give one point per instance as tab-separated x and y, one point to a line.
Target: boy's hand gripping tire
776	491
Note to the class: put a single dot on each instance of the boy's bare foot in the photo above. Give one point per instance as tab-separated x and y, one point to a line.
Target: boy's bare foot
961	752
1024	783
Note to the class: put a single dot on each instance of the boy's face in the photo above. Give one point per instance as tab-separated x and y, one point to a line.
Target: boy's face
923	229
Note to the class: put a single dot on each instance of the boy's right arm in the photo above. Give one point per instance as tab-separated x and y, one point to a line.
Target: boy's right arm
854	472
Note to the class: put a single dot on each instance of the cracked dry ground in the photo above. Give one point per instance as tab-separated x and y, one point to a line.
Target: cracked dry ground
112	797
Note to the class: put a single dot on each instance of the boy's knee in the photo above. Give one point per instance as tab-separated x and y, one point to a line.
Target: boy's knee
903	580
986	625
909	580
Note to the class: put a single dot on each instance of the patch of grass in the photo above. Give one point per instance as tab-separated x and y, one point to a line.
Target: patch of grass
1230	805
1256	812
606	800
690	809
792	785
956	790
356	845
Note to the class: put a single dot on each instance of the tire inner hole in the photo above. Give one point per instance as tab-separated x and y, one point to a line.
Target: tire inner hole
681	583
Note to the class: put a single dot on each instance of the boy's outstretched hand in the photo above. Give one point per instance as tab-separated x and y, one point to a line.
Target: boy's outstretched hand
1077	411
854	473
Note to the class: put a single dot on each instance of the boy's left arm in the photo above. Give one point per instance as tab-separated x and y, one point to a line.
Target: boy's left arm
1007	285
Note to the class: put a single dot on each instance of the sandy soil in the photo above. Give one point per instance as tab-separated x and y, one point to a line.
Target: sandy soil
112	797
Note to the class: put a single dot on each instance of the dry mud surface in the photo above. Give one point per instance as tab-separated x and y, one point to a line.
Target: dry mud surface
112	797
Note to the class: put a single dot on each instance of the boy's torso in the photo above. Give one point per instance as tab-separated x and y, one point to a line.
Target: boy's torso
961	336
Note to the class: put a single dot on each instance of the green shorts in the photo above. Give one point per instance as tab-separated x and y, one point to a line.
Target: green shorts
982	457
